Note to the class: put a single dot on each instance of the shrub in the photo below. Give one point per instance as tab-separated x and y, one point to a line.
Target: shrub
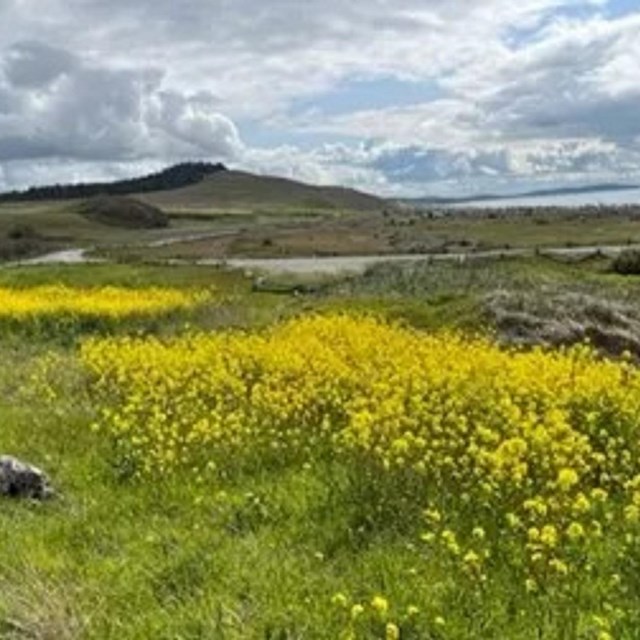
125	212
22	232
627	263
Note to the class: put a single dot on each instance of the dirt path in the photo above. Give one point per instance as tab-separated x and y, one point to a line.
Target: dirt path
67	256
82	256
359	264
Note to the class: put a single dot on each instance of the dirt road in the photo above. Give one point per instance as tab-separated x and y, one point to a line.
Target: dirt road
341	264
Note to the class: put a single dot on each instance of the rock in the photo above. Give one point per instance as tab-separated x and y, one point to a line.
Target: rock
21	480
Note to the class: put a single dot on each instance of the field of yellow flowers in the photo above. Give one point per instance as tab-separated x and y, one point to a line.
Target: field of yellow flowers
519	462
278	471
101	302
62	312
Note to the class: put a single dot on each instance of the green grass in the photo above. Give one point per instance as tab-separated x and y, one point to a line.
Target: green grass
265	217
233	303
60	225
169	560
372	233
433	280
123	275
257	556
557	229
517	300
260	556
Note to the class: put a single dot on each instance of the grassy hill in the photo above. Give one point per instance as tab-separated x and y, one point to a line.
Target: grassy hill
240	191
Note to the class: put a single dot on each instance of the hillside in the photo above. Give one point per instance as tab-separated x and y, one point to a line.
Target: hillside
236	190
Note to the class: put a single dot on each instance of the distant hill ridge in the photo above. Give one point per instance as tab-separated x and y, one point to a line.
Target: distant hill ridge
228	190
175	177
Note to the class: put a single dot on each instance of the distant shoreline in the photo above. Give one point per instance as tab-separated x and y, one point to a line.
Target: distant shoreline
617	194
607	198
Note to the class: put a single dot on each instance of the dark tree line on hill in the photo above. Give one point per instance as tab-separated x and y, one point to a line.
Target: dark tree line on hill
175	177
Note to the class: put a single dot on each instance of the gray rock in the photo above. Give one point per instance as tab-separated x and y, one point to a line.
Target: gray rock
21	480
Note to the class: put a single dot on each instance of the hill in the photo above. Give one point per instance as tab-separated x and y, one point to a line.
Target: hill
238	190
175	177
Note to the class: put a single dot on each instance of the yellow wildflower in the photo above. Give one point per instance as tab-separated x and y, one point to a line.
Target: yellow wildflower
380	605
392	632
567	479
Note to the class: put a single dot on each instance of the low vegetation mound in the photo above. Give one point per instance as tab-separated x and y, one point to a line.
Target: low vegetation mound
22	241
555	318
121	211
627	263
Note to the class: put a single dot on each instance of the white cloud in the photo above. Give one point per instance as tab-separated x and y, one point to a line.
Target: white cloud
52	104
564	105
529	88
257	56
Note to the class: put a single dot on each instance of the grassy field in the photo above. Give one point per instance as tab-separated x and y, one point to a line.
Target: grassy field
404	233
236	215
28	229
31	229
281	541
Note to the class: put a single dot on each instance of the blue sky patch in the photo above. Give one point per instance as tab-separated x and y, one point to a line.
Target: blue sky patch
359	95
620	8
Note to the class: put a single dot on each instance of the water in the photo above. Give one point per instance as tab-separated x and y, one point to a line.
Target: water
608	198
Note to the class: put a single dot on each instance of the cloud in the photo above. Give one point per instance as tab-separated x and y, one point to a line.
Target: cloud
258	56
53	104
579	79
563	105
396	170
35	64
522	89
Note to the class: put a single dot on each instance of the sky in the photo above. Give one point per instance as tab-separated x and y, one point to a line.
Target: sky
395	97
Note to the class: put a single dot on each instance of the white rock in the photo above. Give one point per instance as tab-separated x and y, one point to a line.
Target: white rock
21	480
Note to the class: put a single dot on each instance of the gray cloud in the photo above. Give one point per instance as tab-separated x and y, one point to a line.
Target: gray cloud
580	81
36	65
52	104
